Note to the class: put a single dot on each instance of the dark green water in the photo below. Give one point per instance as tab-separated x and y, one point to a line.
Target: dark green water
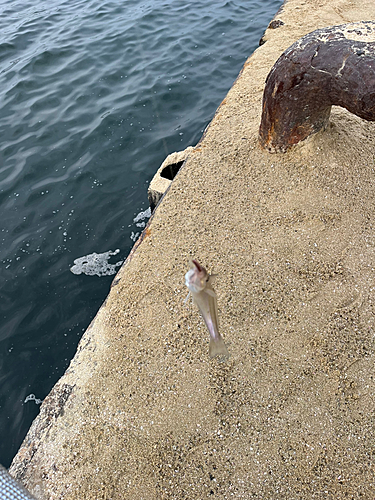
93	96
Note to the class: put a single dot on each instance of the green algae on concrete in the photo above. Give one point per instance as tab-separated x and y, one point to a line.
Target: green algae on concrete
143	412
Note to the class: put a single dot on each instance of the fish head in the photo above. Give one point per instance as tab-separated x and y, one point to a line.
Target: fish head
197	277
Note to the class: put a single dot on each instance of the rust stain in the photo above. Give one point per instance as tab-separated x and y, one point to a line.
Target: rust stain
145	234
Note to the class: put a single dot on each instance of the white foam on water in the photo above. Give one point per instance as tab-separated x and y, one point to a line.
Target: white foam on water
139	221
143	215
96	264
31	397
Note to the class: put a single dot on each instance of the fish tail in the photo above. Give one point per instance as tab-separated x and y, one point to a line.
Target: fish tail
218	348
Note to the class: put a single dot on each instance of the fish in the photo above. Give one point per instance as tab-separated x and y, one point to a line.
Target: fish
198	282
10	489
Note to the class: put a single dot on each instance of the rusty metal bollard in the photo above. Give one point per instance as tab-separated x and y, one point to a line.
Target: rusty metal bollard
330	66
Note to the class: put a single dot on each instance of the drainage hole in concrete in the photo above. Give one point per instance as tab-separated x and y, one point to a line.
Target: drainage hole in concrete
170	171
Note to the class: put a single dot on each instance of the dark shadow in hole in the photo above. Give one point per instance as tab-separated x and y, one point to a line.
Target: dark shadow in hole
170	171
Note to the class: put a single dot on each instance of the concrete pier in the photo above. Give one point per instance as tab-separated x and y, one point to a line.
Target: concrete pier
143	412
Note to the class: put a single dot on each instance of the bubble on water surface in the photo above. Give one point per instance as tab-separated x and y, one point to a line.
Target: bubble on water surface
96	264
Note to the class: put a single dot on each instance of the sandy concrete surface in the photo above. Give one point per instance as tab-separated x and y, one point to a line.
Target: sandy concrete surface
144	413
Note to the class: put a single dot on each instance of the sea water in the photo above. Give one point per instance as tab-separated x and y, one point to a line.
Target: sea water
93	96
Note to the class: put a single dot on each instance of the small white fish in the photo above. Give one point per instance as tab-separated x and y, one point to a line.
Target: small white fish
197	280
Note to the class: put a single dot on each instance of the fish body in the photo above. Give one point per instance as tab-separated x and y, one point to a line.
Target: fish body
198	280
